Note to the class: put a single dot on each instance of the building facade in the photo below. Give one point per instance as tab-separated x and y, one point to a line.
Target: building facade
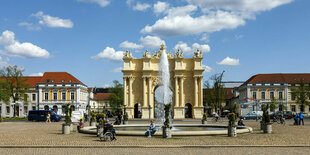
50	92
262	88
140	77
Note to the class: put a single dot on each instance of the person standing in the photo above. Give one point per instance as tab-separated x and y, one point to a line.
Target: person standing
301	118
48	117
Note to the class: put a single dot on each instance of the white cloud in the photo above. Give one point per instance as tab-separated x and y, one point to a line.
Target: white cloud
30	26
160	7
205	38
36	74
130	45
239	5
237	37
102	3
229	62
53	22
4	63
186	25
129	2
190	50
116	70
141	6
213	15
107	86
110	54
152	42
207	68
14	48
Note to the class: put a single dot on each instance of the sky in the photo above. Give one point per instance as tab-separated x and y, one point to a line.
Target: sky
87	38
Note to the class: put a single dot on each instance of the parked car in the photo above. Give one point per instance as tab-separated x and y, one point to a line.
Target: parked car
40	115
286	114
252	116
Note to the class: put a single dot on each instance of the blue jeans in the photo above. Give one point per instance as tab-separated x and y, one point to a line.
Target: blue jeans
151	131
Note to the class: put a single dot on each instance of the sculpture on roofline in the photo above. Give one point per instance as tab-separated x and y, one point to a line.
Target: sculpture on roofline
127	54
146	54
178	54
198	54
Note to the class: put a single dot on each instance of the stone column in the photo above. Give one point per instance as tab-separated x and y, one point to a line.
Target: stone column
181	93
201	93
176	93
149	91
125	91
130	92
144	92
195	91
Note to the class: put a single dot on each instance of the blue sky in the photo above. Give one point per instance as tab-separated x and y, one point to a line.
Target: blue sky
86	37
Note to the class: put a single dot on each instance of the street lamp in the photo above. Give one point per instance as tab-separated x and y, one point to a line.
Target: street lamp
219	86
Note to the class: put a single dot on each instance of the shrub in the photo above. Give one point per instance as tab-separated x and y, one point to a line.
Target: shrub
125	117
266	117
100	116
92	116
232	119
167	113
204	116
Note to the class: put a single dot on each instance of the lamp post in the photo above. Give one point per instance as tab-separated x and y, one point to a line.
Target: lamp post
256	102
219	86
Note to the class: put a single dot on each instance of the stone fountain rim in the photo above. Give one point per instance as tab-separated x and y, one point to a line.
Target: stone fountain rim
240	129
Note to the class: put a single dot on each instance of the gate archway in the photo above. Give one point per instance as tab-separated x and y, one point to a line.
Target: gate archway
188	110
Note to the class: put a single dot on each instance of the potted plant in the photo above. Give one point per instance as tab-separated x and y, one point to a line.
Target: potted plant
167	128
267	127
125	118
66	127
100	127
204	118
92	119
232	128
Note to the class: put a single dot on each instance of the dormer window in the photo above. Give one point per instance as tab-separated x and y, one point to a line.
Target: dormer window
53	81
47	80
62	81
70	80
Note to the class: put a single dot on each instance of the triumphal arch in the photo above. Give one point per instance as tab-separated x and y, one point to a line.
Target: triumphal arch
140	77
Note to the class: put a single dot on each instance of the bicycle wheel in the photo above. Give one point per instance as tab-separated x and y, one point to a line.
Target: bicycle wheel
108	136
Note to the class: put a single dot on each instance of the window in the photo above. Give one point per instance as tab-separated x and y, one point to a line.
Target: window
72	96
254	84
33	97
271	84
293	96
47	80
263	84
55	96
254	95
33	107
63	96
293	108
46	96
280	107
26	97
271	95
52	80
280	95
62	81
70	80
263	95
8	109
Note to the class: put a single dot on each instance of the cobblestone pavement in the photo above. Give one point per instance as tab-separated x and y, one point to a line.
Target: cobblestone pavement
152	151
39	133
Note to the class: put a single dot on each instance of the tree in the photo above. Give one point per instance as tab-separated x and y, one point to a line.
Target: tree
215	92
13	85
301	94
116	97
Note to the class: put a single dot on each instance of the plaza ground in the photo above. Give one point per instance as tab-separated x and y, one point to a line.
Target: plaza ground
290	139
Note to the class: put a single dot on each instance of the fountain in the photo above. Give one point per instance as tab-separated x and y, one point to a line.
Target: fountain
163	96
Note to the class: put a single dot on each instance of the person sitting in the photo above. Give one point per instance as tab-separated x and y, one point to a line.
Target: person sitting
240	122
296	118
107	127
152	129
81	125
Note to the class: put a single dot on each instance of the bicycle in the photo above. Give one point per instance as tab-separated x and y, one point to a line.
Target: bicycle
279	120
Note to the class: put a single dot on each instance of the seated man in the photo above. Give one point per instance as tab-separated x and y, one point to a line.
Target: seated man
240	122
107	127
152	129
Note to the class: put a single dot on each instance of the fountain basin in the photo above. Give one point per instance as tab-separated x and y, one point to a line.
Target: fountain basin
177	129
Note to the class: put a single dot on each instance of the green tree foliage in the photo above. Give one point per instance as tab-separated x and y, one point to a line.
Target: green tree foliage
117	96
301	94
266	116
273	104
13	85
214	92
